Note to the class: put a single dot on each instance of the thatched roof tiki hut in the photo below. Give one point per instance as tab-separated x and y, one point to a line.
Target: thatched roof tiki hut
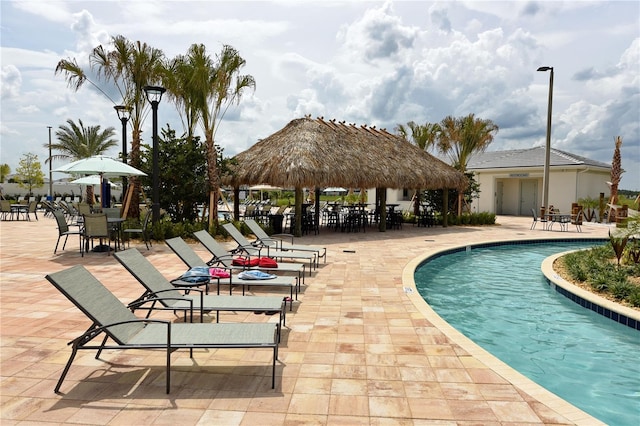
319	153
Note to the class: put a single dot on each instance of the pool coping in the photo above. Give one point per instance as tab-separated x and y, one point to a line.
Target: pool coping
545	396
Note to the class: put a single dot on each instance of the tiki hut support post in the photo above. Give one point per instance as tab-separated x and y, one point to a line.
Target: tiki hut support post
445	207
317	208
298	209
236	202
382	226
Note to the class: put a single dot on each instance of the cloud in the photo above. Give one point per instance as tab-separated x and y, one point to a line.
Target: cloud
11	82
379	34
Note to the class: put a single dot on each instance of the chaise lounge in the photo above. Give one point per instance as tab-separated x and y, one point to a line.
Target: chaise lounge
113	320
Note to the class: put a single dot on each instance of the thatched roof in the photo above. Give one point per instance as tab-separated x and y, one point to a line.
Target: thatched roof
319	153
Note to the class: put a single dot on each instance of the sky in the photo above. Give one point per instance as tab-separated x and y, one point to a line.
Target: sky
378	63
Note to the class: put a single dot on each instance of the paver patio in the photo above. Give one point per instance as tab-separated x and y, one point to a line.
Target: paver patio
357	350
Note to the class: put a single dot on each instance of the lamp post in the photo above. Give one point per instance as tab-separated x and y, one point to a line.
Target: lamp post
124	113
154	95
50	174
547	151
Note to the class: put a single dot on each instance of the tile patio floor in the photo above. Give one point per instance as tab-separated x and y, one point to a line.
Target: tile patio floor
357	350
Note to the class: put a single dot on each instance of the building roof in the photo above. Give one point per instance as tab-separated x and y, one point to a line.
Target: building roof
530	157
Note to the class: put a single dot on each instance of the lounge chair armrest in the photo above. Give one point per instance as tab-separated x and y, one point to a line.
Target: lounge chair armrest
95	331
219	260
283	236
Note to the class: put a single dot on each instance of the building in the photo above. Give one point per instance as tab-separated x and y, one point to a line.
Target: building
511	181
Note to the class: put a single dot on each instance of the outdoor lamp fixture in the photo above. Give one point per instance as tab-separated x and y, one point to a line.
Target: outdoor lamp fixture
154	96
124	113
547	151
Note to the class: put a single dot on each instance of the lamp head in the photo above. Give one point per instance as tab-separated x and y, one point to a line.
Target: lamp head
124	112
545	69
154	93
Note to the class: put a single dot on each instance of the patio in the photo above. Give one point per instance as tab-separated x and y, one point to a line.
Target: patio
357	349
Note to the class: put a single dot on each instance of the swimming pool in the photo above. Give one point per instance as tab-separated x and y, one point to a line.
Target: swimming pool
498	297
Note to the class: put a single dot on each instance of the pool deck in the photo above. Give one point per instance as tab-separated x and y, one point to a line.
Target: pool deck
360	347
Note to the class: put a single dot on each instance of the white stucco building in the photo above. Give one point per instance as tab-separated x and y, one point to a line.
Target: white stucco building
511	181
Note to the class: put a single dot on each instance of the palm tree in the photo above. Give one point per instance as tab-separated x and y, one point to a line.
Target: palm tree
616	175
75	141
128	67
460	138
208	88
424	136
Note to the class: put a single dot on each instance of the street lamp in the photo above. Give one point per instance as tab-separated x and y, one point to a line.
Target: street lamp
124	113
50	174
154	96
547	151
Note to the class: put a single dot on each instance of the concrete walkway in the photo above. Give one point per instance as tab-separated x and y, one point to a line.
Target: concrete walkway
358	349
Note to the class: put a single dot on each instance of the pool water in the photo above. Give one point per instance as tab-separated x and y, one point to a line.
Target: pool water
498	297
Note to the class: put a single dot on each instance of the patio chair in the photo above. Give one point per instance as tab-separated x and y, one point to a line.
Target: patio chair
94	226
222	257
191	259
5	210
143	231
109	316
32	209
277	241
537	219
161	295
259	249
64	231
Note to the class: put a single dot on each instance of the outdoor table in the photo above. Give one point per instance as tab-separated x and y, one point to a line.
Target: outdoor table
562	218
19	209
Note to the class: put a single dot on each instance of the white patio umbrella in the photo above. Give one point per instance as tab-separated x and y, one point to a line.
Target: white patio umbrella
264	187
92	180
100	165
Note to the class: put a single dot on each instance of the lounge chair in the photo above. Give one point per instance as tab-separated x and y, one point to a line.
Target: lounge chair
259	249
223	258
192	259
277	241
111	317
162	295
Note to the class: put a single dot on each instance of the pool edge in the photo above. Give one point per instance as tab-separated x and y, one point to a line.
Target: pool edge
533	389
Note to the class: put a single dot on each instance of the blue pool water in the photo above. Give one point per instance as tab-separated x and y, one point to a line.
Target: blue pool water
498	297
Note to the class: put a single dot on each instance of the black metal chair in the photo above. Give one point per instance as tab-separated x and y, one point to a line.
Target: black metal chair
142	231
96	226
64	230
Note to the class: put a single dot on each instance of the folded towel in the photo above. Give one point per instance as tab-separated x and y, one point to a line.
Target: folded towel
255	275
197	274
